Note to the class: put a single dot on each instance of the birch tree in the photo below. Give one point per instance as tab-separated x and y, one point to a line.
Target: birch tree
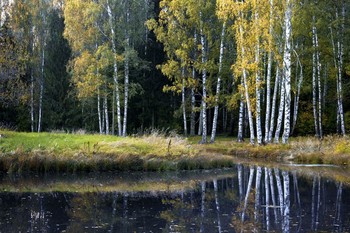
216	108
287	69
337	40
316	81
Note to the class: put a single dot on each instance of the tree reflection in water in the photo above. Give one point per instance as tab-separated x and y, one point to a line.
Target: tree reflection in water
248	199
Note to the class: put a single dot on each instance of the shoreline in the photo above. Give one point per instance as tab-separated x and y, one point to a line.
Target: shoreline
70	153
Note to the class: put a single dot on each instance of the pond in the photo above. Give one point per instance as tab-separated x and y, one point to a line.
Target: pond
246	198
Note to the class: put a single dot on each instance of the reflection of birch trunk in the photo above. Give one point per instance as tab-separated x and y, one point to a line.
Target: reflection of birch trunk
318	201
313	204
273	196
217	204
267	200
337	220
114	210
202	206
251	174
125	212
286	204
297	199
279	189
240	183
296	189
257	193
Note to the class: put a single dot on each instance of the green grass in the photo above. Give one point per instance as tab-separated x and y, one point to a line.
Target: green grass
60	152
53	152
58	143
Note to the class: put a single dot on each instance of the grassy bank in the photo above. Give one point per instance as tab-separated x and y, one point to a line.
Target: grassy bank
52	152
330	150
60	152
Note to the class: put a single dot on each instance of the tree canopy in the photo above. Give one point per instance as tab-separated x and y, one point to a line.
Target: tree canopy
264	70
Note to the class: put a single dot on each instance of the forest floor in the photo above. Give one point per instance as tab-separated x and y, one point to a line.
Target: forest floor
62	152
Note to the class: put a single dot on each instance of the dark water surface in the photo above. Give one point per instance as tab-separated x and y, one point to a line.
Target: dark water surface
242	199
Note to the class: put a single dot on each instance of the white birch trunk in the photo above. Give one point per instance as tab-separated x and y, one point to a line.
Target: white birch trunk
32	87
193	98
126	95
268	77
316	82
103	118
280	111
250	114
245	84
200	124
115	67
340	70
40	114
259	135
287	70
216	109
105	110
126	68
297	96
99	111
32	100
335	60
319	86
240	121
193	113
314	90
183	101
273	109
113	115
204	83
